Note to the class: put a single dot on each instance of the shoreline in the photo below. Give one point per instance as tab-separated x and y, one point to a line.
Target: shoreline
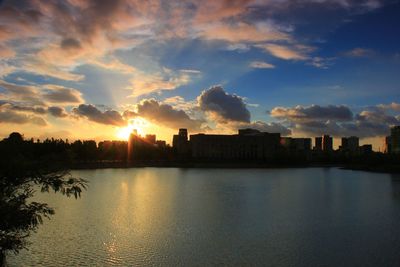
384	168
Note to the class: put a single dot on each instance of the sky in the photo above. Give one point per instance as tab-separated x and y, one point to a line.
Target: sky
96	69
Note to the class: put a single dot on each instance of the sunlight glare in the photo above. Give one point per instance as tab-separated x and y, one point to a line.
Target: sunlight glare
138	124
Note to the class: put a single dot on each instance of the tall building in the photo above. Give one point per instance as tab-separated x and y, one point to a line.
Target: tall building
318	143
350	144
180	142
395	139
327	143
150	138
388	144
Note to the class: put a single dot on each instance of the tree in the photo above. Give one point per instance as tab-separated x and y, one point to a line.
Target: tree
21	175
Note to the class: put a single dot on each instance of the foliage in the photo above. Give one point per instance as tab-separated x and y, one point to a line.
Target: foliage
22	173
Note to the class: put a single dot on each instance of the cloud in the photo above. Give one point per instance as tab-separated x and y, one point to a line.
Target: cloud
166	79
392	106
359	52
225	107
167	115
8	115
336	120
243	32
32	95
298	52
62	95
272	127
313	112
70	43
261	65
6	52
108	117
57	112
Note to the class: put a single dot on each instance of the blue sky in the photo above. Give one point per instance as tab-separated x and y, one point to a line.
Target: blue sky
105	65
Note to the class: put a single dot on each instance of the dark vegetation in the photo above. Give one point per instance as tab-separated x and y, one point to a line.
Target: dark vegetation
26	167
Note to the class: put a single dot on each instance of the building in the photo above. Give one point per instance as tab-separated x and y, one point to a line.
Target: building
248	144
395	139
366	149
150	138
388	144
180	143
327	143
350	144
318	143
161	143
296	144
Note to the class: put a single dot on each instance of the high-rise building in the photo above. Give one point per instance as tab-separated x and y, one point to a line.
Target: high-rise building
388	144
150	138
395	139
327	143
318	143
350	144
181	143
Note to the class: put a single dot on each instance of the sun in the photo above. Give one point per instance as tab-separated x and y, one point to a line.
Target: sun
136	124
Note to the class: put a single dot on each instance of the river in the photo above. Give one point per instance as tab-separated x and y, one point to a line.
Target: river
231	217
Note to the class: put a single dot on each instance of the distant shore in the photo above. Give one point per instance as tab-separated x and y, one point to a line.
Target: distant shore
380	168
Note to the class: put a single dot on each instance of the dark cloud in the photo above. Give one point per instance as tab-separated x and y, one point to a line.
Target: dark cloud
224	106
36	110
58	94
35	96
166	115
313	112
108	117
57	112
9	116
70	43
272	127
336	120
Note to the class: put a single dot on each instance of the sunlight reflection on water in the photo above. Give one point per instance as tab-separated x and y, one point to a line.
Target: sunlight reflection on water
287	217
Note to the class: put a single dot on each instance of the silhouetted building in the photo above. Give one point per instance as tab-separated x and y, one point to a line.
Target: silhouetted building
150	138
388	144
247	144
318	143
366	149
181	144
161	143
395	139
146	148
350	144
327	143
296	144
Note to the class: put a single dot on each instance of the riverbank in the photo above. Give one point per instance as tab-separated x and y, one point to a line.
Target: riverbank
379	168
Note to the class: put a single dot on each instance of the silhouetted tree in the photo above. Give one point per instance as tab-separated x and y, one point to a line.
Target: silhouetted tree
22	173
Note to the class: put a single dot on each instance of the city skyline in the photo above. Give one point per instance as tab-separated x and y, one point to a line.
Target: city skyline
99	69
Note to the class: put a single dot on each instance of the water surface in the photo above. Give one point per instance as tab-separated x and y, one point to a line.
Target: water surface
239	217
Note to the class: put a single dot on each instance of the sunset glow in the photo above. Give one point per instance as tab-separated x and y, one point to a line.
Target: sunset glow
208	66
137	124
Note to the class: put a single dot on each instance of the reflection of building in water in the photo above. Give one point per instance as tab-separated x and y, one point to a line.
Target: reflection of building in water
247	144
